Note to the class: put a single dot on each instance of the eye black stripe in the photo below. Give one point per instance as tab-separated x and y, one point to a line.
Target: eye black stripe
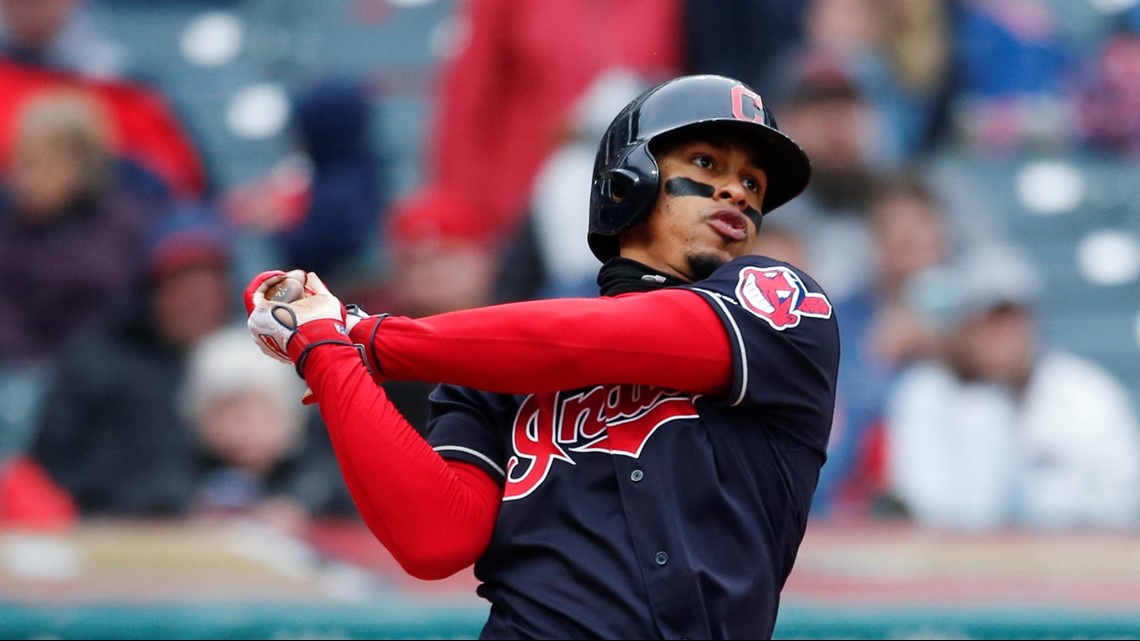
753	215
688	187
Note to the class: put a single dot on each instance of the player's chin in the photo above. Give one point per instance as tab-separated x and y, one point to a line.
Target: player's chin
702	264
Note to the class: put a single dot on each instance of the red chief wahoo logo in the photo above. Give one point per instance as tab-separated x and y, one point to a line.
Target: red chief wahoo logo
610	419
779	296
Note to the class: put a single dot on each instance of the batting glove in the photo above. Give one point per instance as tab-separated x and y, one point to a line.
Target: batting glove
275	325
260	282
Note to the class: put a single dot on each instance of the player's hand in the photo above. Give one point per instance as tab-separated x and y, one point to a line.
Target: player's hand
260	282
274	324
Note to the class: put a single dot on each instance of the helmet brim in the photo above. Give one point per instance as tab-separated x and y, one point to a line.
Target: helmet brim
785	162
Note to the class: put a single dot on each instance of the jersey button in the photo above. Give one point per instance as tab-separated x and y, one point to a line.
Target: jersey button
636	475
661	558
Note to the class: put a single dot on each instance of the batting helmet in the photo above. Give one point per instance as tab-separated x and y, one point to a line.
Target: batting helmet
625	170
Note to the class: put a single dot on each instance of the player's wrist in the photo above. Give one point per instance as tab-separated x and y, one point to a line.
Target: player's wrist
313	334
363	334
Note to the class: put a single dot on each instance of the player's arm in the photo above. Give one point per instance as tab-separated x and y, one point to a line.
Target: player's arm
669	338
434	516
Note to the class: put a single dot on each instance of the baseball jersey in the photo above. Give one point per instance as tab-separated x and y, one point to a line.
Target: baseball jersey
641	512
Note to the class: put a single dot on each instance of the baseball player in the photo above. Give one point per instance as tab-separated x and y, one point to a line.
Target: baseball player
636	466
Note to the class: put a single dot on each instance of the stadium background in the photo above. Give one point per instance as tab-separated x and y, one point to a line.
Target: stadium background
1076	212
228	66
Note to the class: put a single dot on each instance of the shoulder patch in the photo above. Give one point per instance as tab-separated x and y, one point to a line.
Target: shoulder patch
779	296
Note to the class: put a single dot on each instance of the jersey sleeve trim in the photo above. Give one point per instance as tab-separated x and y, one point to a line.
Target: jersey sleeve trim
467	452
740	383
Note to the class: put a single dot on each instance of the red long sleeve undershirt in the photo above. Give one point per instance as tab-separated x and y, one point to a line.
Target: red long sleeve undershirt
436	516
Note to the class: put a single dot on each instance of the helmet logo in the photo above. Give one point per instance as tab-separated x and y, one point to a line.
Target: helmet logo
740	94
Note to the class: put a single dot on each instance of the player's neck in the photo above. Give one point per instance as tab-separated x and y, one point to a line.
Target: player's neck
624	275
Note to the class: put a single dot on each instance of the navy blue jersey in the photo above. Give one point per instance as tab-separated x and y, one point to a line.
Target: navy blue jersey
640	512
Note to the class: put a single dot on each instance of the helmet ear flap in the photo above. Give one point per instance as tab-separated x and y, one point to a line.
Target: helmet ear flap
614	190
619	184
620	198
623	194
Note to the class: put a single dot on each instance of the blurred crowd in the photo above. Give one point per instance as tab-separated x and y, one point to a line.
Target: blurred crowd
129	387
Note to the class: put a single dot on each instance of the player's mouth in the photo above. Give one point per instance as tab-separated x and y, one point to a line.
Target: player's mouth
730	224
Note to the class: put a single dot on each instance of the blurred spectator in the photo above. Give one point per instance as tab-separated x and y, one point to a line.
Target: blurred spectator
440	257
440	260
1108	98
55	45
153	150
744	39
49	45
59	35
321	207
505	96
898	53
543	261
111	434
1003	429
778	240
71	243
880	334
261	453
829	116
917	45
1013	64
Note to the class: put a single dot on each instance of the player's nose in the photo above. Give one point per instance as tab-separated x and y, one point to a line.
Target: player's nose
733	191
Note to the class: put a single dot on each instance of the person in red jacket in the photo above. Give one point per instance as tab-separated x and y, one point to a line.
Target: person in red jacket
509	89
637	465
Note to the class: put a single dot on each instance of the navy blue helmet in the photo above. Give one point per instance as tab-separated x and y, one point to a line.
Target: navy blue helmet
626	175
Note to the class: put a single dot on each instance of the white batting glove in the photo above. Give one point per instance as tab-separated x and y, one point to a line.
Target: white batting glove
274	324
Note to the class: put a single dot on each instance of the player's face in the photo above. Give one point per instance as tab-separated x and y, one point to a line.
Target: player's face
707	211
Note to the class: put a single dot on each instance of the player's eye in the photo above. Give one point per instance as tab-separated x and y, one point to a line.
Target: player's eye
704	161
751	184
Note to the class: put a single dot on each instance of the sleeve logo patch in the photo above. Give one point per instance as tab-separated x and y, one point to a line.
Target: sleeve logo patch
779	296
